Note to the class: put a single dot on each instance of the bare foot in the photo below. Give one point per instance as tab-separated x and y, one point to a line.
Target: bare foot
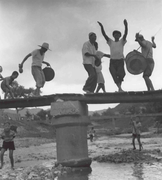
120	90
90	92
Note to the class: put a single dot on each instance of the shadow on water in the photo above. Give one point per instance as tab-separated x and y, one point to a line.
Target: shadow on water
138	171
81	174
106	171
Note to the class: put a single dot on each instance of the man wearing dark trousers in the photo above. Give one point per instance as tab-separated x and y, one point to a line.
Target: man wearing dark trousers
89	56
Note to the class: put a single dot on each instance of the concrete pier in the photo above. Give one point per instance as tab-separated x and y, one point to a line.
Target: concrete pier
71	121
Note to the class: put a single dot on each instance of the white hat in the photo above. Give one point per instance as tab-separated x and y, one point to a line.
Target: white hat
45	45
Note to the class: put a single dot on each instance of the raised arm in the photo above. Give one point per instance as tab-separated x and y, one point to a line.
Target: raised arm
103	31
126	29
153	42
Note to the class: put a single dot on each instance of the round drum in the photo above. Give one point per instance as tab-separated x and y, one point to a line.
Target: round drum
48	73
135	62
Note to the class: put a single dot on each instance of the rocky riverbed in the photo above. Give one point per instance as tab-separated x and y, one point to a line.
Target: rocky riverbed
35	157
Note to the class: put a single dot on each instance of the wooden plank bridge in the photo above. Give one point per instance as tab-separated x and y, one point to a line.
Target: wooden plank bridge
96	98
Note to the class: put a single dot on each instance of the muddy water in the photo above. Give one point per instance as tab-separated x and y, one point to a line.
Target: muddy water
107	171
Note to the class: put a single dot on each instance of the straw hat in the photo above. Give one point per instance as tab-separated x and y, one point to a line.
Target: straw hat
45	45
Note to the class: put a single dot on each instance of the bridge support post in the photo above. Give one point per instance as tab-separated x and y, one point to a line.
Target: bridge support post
71	121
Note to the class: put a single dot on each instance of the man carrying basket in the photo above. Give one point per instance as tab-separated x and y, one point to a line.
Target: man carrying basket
147	52
36	67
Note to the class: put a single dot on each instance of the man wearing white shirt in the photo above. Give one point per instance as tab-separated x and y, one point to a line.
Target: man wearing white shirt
116	54
89	56
36	67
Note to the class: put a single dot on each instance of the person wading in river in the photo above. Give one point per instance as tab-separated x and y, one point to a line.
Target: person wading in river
8	136
136	132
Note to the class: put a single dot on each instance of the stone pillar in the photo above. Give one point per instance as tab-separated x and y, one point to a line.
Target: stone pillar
71	121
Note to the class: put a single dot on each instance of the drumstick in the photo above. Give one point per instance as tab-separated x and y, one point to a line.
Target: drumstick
139	31
158	31
140	46
154	35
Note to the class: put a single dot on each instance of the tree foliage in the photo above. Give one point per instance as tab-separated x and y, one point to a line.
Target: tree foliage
20	91
42	114
108	112
95	114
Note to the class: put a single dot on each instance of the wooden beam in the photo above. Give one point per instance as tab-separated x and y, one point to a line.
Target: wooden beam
97	98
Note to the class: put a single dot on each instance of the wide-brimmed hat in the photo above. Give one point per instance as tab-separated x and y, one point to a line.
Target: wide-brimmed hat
45	45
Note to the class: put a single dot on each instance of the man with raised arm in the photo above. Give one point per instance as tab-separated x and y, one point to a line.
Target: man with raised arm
116	54
147	52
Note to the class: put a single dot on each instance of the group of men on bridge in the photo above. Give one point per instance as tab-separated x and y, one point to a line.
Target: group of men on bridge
116	67
91	62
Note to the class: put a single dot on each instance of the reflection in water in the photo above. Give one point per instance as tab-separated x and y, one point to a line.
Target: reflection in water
111	171
81	174
138	171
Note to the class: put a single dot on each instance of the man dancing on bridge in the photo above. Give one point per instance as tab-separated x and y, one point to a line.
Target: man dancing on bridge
147	52
37	60
116	54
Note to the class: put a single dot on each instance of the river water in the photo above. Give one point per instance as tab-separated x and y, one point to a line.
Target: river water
110	171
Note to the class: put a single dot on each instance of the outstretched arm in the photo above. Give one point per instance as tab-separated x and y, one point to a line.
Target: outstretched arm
26	57
103	31
107	55
153	42
126	29
48	64
89	54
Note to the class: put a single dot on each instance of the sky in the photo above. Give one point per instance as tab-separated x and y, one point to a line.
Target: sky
65	25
